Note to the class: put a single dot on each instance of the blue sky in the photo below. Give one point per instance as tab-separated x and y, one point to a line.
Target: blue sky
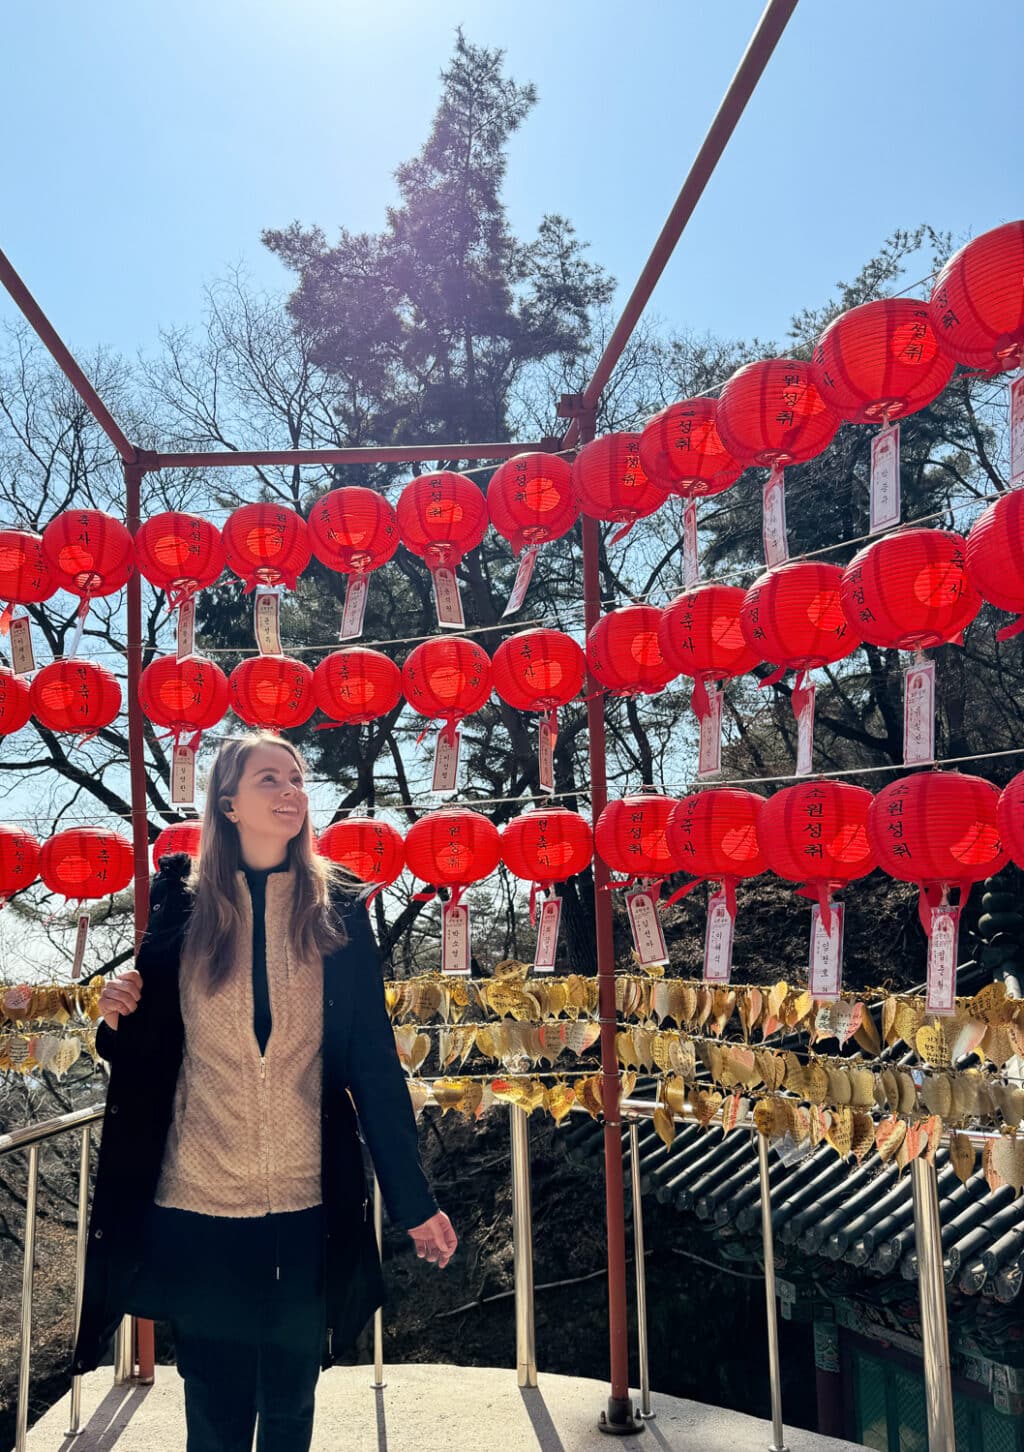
147	144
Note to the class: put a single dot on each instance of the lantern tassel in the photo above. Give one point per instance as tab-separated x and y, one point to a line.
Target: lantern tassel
936	894
8	611
699	700
821	891
1005	632
801	695
621	533
774	678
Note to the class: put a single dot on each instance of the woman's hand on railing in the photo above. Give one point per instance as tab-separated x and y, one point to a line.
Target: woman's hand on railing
120	995
435	1239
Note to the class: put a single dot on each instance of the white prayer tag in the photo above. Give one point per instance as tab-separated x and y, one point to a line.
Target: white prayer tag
919	713
805	733
773	519
940	995
183	776
447	598
80	941
186	628
267	621
76	638
23	660
446	760
826	972
885	479
547	935
648	939
718	935
524	575
709	758
1017	432
546	755
691	565
455	938
357	587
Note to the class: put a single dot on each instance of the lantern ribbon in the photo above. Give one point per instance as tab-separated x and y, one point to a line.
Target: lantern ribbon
535	888
936	894
699	700
823	889
621	533
774	678
1005	632
270	580
728	884
83	610
181	591
8	611
801	694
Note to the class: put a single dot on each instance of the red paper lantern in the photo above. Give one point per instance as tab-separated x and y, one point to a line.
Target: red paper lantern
19	861
910	590
700	634
89	552
447	678
266	544
681	450
770	413
631	835
538	670
452	847
610	482
793	617
15	702
25	576
880	361
370	849
353	530
530	499
1010	818
186	696
86	862
355	685
179	837
939	829
180	553
272	691
995	557
624	652
817	833
441	517
715	834
75	695
547	845
977	304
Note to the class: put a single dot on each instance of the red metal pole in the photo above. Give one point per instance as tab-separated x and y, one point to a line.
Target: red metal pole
619	1416
749	71
392	454
137	773
64	359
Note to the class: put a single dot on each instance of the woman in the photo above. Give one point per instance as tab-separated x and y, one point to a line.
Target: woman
230	1195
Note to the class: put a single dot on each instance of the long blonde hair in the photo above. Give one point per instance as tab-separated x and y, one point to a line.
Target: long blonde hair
213	925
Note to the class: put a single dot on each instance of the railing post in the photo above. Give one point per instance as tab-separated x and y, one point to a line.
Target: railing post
378	1316
522	1247
778	1442
83	1216
938	1387
27	1266
124	1352
641	1271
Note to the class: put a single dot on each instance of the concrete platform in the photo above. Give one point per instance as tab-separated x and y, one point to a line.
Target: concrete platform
422	1408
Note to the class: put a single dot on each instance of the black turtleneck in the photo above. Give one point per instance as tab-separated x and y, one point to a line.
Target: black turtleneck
256	877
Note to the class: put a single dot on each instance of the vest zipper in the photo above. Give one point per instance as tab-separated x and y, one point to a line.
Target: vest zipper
264	1131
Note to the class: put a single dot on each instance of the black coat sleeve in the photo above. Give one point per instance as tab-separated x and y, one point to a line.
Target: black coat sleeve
378	1082
167	915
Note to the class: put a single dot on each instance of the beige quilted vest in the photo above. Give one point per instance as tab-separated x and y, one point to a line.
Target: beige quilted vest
245	1135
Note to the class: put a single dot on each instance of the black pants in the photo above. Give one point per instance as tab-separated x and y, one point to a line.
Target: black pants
249	1335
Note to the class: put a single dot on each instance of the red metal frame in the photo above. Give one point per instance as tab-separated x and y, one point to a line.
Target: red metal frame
582	411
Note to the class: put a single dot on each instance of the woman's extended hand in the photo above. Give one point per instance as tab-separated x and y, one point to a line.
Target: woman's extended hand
435	1239
120	995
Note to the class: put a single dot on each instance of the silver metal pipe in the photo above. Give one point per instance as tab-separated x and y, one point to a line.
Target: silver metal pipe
641	1270
938	1386
83	1215
378	1315
27	1267
778	1442
522	1247
29	1134
124	1351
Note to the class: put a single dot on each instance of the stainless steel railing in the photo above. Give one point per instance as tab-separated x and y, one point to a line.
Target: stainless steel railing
935	1333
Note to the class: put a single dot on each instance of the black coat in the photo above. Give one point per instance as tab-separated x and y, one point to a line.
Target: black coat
359	1053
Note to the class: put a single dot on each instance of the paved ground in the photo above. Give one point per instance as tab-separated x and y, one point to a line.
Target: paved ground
421	1409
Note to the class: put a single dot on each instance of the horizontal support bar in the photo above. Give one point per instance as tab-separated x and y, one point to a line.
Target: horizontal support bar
397	454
